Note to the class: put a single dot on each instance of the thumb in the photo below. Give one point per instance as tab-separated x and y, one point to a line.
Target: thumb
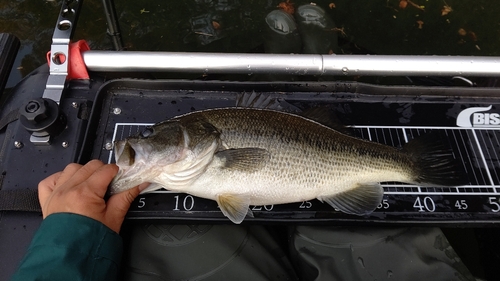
46	187
117	207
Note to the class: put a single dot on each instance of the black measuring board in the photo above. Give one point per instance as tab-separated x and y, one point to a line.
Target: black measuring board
470	123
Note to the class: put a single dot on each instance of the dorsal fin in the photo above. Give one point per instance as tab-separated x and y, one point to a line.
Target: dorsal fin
326	116
257	100
264	101
323	115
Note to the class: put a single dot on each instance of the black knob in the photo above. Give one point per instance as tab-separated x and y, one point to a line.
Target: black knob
42	116
35	111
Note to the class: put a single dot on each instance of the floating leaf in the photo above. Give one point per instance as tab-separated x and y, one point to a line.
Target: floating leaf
446	10
287	6
403	4
420	24
216	25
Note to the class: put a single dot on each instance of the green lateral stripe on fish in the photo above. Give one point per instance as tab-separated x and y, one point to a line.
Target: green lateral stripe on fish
247	156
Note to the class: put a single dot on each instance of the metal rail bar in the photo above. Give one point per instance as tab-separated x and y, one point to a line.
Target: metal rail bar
364	65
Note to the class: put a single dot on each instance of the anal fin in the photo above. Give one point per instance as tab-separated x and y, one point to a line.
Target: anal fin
235	207
360	200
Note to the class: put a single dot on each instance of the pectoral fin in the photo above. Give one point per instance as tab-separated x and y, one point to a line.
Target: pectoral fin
361	200
233	206
248	159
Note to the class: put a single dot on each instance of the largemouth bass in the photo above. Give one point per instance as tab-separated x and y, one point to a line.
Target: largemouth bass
247	156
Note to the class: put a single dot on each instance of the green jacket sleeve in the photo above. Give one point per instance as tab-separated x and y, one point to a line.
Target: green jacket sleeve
71	247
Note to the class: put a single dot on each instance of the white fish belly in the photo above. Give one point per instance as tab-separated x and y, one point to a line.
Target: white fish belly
280	182
307	160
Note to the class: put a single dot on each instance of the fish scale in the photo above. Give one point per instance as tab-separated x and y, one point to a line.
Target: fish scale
320	160
247	156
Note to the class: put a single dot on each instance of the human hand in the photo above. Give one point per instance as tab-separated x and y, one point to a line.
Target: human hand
80	189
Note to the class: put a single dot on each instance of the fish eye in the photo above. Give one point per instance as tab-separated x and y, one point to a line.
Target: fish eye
147	132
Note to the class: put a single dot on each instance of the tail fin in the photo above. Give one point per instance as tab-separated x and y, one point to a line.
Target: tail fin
434	162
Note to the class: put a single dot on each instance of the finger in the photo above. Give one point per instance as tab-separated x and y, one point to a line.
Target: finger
101	178
143	186
46	186
68	172
80	175
50	181
118	206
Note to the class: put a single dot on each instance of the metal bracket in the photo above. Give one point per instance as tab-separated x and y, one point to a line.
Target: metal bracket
59	58
59	50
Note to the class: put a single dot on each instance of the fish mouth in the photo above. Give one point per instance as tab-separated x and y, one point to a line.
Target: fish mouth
123	180
118	146
124	153
125	158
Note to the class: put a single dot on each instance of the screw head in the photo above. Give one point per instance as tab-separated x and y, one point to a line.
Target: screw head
65	144
74	104
109	146
117	110
18	144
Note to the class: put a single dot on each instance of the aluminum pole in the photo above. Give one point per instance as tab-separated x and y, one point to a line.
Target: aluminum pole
293	64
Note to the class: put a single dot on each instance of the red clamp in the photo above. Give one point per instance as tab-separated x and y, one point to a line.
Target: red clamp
76	66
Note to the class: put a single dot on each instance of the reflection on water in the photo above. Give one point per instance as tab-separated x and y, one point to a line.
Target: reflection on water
467	27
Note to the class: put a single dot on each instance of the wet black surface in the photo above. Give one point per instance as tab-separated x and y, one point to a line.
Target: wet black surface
471	27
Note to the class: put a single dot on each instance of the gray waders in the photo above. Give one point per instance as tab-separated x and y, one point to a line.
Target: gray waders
231	252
